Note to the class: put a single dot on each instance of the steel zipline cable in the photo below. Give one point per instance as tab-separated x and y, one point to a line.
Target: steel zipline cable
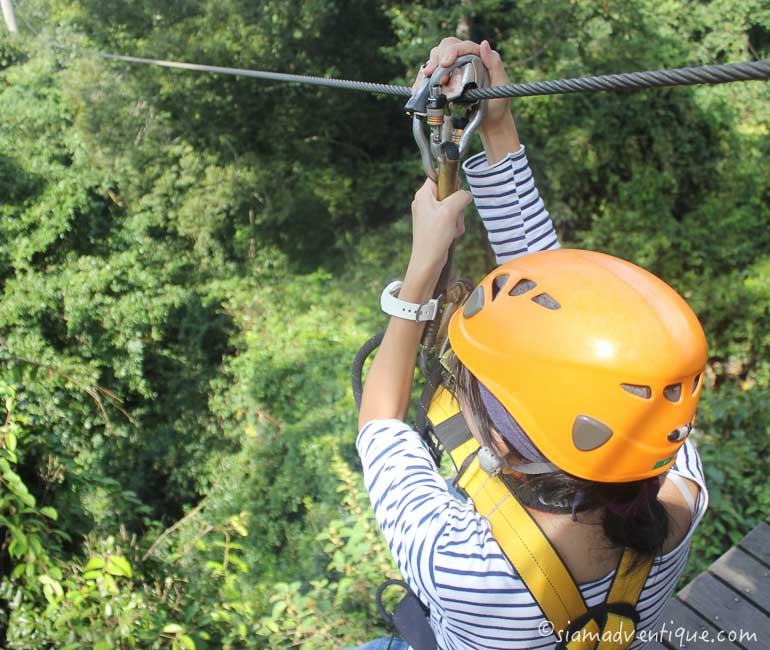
707	74
630	81
364	86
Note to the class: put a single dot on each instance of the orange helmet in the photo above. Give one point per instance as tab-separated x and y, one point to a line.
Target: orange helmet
598	361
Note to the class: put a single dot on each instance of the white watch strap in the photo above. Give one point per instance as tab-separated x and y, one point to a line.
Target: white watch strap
406	310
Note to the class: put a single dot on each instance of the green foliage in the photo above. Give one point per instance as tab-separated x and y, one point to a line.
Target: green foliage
28	534
185	261
92	604
338	610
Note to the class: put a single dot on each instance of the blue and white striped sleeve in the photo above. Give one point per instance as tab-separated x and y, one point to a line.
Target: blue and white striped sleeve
411	502
444	549
510	206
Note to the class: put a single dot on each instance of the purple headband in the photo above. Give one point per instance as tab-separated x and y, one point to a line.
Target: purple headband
507	427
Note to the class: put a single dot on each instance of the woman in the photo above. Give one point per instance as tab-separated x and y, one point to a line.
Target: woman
590	484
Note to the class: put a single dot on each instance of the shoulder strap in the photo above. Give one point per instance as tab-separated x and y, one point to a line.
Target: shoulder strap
619	629
447	422
536	561
519	536
629	578
608	627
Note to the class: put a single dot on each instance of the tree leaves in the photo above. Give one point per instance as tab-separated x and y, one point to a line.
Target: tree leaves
196	251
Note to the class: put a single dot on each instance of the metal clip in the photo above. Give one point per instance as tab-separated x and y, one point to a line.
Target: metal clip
431	101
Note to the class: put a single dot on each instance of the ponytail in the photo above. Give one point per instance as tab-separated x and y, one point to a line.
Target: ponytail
634	517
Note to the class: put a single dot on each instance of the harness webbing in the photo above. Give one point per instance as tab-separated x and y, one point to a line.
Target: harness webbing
538	565
610	626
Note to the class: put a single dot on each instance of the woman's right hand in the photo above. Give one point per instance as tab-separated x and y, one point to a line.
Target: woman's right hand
445	54
435	225
498	130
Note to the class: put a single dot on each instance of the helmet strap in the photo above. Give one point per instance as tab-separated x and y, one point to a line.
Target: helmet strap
534	468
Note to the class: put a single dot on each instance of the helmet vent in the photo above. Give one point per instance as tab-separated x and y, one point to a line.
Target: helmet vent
645	392
522	286
544	300
497	284
696	382
673	392
680	433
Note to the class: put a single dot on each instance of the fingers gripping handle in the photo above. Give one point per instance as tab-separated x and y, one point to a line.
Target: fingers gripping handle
449	140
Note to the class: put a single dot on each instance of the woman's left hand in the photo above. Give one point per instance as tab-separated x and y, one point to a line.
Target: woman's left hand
498	130
435	225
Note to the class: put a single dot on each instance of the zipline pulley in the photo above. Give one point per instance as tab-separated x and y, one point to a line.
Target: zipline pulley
434	102
453	119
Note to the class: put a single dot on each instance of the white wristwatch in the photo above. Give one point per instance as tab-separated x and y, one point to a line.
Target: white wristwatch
390	304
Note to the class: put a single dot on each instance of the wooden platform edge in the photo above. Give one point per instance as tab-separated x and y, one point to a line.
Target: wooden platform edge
726	606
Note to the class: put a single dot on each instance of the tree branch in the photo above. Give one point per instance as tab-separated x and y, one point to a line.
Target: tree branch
172	528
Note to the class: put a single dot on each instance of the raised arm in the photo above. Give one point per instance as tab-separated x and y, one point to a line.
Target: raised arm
511	209
435	224
500	179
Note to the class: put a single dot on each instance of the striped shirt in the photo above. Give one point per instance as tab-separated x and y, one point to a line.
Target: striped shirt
443	548
446	552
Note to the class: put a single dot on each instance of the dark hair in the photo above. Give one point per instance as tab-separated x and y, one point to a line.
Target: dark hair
633	517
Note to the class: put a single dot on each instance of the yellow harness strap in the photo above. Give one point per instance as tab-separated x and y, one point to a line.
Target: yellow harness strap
531	553
619	631
520	537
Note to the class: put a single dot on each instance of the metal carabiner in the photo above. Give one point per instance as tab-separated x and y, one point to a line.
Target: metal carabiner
431	101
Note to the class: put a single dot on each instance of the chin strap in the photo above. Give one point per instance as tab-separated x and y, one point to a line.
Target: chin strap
534	468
